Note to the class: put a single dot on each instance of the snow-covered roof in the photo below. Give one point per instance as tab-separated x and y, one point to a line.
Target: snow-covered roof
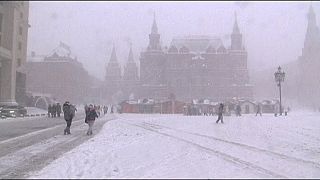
63	50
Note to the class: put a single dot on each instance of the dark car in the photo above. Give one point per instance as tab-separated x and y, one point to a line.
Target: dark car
12	111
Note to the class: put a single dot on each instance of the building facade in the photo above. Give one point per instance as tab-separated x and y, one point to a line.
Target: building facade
13	48
195	67
61	75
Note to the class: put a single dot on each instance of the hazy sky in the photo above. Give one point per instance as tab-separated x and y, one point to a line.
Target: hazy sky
273	31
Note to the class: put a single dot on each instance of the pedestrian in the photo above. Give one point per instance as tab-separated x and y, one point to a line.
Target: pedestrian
86	107
54	110
275	110
73	110
58	108
67	116
259	110
220	112
238	110
105	109
49	110
90	118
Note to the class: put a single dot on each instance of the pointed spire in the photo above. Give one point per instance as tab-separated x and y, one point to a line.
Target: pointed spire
113	57
154	29
235	26
130	58
311	14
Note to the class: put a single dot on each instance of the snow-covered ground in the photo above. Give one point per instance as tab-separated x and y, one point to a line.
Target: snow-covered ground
177	146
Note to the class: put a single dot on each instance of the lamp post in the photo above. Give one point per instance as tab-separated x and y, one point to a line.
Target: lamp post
279	77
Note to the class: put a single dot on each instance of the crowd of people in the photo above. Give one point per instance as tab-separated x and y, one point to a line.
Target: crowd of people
92	112
54	110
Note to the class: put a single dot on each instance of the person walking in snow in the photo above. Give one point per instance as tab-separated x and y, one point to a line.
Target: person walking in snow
54	110
238	110
259	111
90	118
220	112
49	110
58	107
67	116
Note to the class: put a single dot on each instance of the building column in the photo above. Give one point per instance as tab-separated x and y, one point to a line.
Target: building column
7	83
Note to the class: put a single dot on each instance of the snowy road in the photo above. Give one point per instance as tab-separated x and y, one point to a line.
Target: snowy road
29	144
176	146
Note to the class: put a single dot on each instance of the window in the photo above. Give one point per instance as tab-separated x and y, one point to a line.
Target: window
19	45
20	30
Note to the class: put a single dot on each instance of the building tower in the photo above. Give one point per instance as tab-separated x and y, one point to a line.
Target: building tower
113	76
130	77
152	66
236	36
154	37
312	38
309	65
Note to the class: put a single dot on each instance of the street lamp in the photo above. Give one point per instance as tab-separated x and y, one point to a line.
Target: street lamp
279	77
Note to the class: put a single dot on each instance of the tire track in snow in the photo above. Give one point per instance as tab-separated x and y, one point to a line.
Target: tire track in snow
32	158
242	145
216	152
17	143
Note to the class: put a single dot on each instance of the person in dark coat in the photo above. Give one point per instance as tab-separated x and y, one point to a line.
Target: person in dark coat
105	109
90	118
58	108
67	116
111	109
238	110
54	110
49	110
220	112
259	110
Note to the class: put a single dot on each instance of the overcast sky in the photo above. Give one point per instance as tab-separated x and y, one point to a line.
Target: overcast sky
273	31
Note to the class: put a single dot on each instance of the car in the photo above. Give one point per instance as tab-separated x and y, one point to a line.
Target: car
12	111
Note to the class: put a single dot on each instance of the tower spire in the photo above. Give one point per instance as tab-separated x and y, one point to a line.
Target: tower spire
312	38
113	57
130	58
154	29
235	26
236	36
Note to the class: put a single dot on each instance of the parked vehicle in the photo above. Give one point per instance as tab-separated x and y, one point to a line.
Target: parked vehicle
12	111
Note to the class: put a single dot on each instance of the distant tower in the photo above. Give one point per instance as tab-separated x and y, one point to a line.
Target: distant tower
236	36
152	66
130	81
309	65
154	37
113	75
131	69
312	38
